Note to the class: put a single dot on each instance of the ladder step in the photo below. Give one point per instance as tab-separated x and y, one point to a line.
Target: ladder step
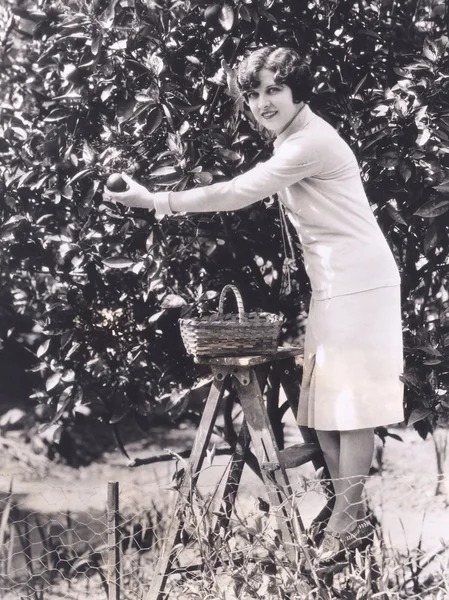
299	454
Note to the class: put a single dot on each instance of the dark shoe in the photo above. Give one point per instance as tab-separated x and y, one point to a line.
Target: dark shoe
335	546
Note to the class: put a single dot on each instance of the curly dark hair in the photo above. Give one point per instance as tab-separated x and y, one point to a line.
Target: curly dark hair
288	68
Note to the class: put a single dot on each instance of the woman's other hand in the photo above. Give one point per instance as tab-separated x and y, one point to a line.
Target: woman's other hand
135	196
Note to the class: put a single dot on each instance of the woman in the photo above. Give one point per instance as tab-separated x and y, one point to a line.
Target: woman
353	345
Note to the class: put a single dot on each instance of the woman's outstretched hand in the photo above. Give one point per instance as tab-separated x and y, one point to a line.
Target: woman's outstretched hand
135	196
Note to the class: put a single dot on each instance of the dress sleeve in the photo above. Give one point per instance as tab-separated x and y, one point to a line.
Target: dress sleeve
292	162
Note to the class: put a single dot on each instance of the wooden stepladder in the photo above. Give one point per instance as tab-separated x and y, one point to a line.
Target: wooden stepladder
248	376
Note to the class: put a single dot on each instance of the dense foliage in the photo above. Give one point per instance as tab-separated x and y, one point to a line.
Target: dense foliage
89	88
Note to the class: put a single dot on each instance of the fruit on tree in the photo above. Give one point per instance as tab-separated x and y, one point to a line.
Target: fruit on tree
116	183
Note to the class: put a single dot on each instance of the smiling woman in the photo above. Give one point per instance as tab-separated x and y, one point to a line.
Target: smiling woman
274	82
272	104
351	380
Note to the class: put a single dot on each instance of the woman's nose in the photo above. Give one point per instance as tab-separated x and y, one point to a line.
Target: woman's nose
263	101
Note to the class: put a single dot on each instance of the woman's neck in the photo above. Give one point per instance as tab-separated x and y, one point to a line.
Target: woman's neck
301	106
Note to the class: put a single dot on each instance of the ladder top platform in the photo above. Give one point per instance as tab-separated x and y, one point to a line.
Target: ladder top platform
249	361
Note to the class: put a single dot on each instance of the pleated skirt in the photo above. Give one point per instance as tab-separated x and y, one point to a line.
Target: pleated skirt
353	359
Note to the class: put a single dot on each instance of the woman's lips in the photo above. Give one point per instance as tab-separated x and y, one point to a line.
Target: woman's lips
269	114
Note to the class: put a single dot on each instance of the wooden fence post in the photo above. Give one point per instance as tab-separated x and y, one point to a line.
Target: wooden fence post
113	572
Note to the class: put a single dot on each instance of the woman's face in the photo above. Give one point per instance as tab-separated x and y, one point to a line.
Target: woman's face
271	103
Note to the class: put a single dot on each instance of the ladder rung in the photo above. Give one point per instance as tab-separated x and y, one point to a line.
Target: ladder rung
299	454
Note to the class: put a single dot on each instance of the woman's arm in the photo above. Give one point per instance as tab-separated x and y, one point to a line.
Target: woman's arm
292	162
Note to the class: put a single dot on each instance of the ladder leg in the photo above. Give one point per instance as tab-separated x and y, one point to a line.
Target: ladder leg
266	450
241	456
290	381
233	480
168	554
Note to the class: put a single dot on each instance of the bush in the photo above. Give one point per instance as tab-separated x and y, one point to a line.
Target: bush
90	88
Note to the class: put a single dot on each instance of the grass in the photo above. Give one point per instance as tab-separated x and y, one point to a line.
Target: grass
61	557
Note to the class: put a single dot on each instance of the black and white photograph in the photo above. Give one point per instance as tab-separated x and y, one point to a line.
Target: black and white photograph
224	300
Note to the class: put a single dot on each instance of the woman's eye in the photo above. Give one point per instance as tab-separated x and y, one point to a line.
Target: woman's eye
273	90
251	95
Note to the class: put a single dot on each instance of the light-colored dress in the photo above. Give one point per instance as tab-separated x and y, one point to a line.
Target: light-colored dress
353	348
352	362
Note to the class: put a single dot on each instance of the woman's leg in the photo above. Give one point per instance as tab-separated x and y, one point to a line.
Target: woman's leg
348	456
330	446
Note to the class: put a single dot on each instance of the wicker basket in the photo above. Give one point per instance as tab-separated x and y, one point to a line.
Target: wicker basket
231	334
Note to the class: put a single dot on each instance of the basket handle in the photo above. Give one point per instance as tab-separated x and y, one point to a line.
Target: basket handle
238	297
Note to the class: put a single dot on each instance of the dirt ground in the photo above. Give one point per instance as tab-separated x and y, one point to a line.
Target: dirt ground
72	503
401	493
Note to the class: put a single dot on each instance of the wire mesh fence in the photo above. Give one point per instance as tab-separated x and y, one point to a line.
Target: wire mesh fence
110	550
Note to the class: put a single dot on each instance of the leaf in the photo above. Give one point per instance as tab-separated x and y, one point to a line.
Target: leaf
418	414
53	381
72	349
125	109
209	295
65	399
121	408
107	16
395	214
118	262
119	45
56	434
155	63
389	159
120	414
156	316
4	146
118	439
67	192
405	171
68	375
244	13
97	39
423	137
226	17
173	301
430	50
400	106
432	361
88	153
433	208
229	154
11	224
431	237
359	85
93	187
43	349
154	119
269	16
168	115
105	94
79	175
162	171
411	380
429	350
194	60
442	187
59	114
